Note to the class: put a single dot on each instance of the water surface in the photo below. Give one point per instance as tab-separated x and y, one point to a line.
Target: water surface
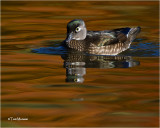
51	87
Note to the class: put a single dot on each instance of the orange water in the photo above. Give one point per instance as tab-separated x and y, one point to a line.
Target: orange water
34	87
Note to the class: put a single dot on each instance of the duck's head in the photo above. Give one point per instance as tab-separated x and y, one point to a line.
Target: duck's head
76	30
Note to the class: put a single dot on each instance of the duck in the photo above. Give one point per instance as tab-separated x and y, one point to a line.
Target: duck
106	42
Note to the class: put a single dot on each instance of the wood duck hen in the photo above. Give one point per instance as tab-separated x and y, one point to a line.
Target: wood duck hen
107	42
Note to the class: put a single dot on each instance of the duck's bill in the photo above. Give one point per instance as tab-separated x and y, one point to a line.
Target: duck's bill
69	38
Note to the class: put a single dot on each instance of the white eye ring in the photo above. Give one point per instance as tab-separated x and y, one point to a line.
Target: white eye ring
78	29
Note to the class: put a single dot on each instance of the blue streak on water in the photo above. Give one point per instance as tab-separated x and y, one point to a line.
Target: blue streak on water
145	49
141	49
51	50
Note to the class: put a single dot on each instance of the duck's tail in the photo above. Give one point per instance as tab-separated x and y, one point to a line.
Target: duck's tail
133	32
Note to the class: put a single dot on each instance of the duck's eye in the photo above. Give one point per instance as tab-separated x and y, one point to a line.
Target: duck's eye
78	29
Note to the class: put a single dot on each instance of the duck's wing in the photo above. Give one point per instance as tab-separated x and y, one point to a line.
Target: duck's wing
114	41
121	35
99	38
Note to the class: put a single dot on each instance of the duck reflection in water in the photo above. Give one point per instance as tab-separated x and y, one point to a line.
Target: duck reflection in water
76	64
